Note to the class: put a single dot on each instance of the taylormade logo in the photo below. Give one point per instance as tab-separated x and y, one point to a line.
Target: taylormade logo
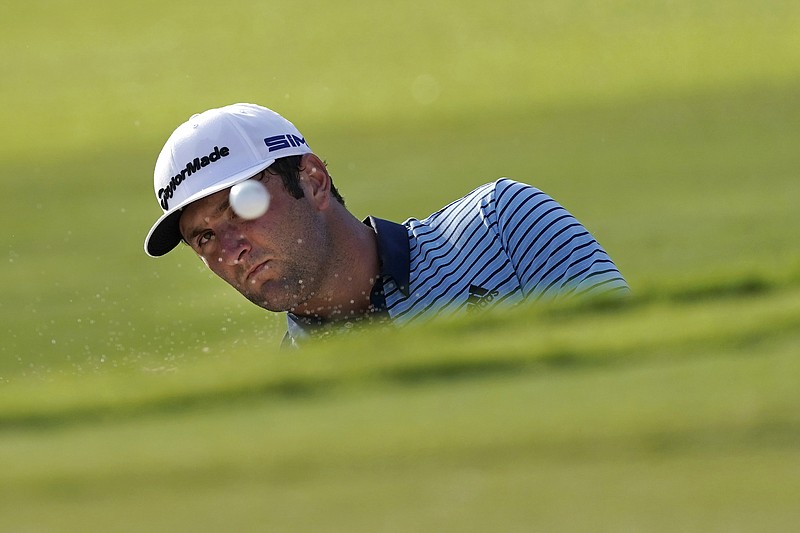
195	165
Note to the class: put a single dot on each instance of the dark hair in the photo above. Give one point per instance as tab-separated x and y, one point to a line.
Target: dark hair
288	168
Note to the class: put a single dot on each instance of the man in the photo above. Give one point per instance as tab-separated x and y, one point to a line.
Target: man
308	256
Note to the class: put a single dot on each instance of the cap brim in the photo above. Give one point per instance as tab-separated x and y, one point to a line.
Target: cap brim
165	234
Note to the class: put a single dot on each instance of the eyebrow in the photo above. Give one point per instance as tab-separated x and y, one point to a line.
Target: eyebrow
220	209
223	205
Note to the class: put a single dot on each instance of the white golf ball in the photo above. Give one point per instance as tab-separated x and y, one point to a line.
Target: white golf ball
249	199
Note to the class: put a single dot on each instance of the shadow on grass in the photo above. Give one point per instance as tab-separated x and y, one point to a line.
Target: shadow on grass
291	389
486	368
294	389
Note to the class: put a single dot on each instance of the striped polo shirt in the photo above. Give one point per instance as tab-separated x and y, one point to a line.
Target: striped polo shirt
501	244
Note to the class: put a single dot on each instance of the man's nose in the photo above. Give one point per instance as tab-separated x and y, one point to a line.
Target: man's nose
234	246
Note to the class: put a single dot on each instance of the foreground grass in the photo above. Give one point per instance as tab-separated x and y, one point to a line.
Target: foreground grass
677	404
710	441
736	314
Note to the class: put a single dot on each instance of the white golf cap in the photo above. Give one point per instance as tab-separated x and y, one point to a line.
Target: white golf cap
210	152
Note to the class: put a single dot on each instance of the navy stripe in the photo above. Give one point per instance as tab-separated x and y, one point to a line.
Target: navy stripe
450	251
585	273
455	269
547	251
523	228
458	271
596	285
556	265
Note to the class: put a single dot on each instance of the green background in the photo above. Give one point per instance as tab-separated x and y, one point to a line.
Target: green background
140	394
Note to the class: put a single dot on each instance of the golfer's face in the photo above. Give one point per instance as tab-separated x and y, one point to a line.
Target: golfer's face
273	260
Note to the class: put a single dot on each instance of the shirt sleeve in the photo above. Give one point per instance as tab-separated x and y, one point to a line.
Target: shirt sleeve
553	255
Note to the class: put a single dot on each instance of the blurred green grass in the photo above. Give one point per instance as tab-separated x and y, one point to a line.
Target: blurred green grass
140	394
607	410
124	73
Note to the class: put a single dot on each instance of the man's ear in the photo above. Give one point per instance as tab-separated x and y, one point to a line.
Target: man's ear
315	180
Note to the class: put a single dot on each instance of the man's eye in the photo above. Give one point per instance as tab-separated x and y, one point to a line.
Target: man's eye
204	238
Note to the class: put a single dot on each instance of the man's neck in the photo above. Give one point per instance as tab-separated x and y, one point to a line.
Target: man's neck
351	276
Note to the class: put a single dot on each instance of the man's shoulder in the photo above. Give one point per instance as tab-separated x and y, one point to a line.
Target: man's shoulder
482	198
497	188
500	190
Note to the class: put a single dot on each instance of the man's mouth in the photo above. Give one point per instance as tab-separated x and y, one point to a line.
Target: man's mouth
255	270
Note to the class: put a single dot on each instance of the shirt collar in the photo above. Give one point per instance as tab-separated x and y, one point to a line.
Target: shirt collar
393	251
